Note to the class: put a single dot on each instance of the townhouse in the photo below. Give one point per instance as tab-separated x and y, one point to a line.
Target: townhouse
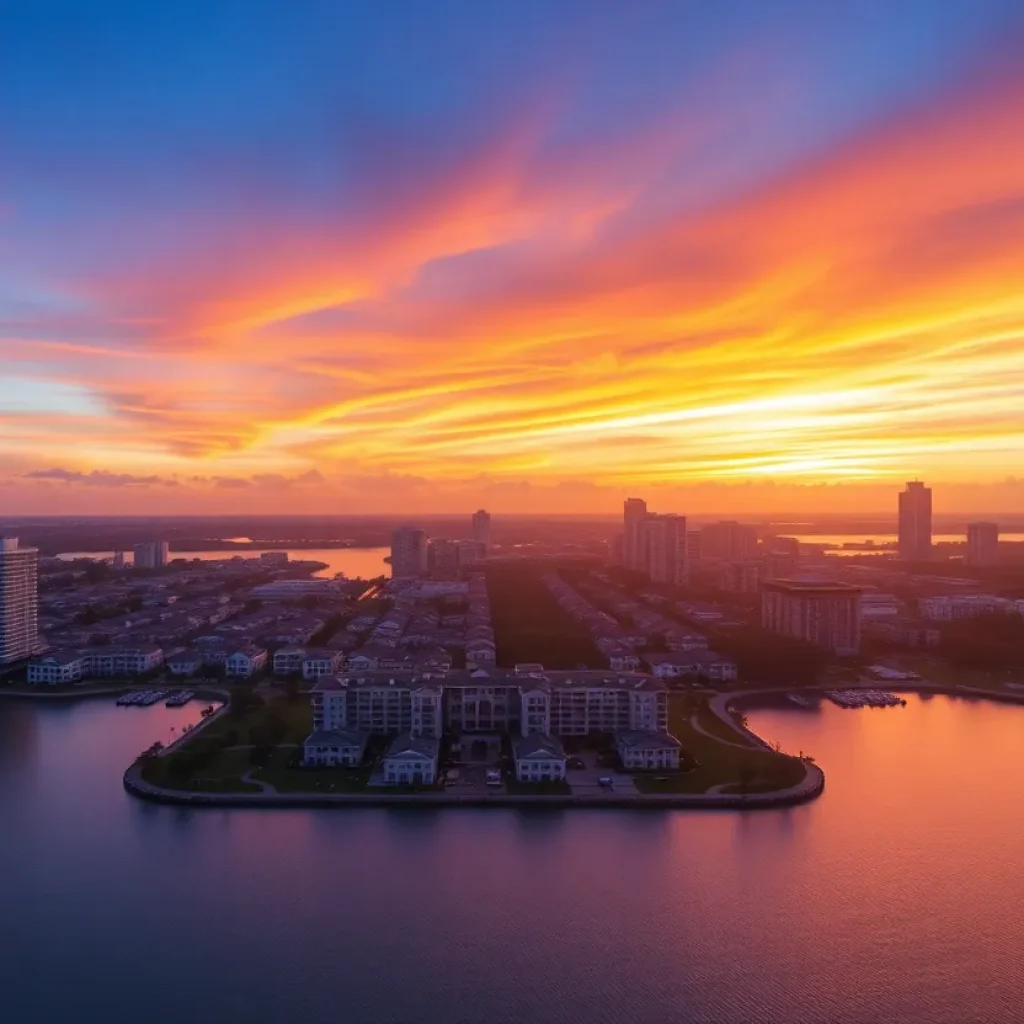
243	662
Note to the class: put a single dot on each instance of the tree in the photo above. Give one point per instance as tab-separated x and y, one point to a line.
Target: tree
180	767
242	700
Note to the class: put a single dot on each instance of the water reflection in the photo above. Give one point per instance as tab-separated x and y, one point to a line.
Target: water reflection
893	897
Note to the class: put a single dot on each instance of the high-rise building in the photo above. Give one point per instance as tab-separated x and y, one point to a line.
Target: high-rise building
442	556
982	543
470	552
19	601
482	528
824	614
664	549
150	554
615	550
634	512
915	525
408	552
693	548
728	540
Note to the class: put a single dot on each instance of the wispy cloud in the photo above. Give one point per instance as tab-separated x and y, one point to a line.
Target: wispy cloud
99	478
708	282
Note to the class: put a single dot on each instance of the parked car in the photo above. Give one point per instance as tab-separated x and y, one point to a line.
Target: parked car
606	781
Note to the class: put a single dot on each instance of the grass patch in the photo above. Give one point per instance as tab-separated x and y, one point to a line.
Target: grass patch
223	775
285	777
743	769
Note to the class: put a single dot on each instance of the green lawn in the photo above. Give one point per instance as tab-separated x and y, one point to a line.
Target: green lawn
749	769
221	775
310	780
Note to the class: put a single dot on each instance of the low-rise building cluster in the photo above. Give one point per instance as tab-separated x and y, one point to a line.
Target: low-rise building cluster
630	625
951	607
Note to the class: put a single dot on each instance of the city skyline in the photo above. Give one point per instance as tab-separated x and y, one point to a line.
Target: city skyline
743	264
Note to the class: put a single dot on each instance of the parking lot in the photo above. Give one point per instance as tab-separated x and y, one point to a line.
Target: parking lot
585	780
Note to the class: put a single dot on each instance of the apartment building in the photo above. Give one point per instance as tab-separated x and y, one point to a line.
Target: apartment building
320	662
538	758
411	761
151	554
19	601
329	749
57	668
245	662
648	750
824	614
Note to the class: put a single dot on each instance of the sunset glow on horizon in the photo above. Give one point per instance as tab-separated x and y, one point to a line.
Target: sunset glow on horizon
531	255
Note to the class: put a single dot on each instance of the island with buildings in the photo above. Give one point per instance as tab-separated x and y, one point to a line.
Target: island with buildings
480	672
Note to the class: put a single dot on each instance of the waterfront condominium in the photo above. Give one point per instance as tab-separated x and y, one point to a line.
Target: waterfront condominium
19	601
482	529
982	543
915	525
408	552
151	554
824	614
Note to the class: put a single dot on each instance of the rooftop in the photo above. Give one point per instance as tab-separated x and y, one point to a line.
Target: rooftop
810	587
638	739
537	745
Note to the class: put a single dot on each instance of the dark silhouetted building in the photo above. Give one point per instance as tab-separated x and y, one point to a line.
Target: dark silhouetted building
982	543
915	526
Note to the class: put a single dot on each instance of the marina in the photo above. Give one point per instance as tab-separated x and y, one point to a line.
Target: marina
144	698
865	699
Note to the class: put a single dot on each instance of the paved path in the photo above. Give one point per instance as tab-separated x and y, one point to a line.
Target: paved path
265	787
695	724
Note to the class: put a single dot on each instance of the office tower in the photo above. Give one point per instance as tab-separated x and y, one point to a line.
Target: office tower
482	529
150	554
915	526
118	560
728	540
634	512
19	601
664	549
408	552
824	614
982	543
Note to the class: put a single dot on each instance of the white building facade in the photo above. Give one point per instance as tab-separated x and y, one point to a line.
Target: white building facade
19	601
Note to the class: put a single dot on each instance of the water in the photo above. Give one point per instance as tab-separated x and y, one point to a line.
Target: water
365	563
880	539
894	897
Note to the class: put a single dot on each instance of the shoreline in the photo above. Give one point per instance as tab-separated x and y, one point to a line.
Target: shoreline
810	788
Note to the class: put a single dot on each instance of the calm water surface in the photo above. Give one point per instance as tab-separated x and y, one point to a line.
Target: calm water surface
895	897
365	563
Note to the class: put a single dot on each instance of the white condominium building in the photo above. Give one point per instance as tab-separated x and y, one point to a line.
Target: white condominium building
151	554
19	601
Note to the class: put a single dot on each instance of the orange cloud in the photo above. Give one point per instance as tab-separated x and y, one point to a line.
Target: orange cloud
527	316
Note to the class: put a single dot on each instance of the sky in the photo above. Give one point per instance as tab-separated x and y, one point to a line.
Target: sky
540	255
